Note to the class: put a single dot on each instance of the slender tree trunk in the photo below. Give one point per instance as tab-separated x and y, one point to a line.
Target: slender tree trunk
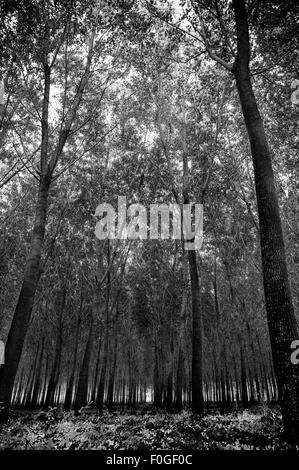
54	377
44	392
70	384
236	382
197	354
19	390
37	380
53	381
82	390
169	393
113	365
123	399
130	384
96	375
179	381
280	313
101	389
30	385
244	391
158	378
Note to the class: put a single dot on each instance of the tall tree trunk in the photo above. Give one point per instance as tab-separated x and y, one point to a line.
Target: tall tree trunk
169	393
70	384
181	332
179	380
130	384
30	385
21	318
244	392
96	374
82	390
44	391
110	391
197	325
123	398
54	377
101	389
197	357
113	365
158	375
53	381
37	379
280	313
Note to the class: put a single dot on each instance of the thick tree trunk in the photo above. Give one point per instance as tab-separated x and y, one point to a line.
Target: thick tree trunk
280	314
21	318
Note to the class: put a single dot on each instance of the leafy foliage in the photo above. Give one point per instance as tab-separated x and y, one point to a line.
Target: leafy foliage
256	429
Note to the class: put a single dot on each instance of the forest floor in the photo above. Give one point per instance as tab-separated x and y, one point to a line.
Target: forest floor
145	429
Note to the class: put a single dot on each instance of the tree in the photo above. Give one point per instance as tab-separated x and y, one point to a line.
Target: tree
282	323
53	32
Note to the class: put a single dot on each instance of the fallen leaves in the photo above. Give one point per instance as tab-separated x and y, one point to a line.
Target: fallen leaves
259	428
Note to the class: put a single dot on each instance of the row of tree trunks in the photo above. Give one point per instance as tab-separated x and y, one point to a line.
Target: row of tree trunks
221	387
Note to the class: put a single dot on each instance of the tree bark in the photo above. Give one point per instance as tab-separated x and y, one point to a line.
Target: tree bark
37	381
21	318
82	390
197	355
53	382
282	324
110	392
102	383
244	392
70	385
